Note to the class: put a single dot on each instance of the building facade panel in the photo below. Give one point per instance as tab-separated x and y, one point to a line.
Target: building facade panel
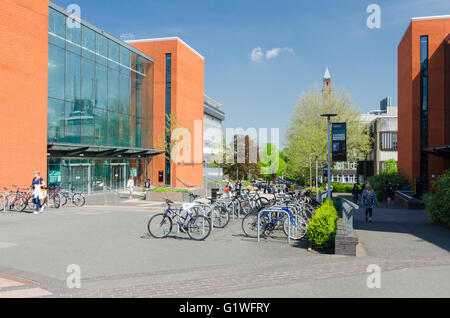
422	110
23	90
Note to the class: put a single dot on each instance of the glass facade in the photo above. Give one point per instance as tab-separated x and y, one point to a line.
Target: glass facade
99	94
424	109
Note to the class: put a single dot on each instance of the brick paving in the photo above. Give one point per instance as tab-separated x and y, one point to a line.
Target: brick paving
273	264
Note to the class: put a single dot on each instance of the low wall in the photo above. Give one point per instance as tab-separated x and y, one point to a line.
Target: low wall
173	196
345	243
406	201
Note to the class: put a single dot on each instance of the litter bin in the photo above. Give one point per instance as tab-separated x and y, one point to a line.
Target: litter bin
214	194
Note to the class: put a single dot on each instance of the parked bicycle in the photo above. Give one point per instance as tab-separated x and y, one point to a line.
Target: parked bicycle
198	227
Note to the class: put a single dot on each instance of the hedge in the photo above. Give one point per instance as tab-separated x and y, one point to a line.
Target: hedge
322	227
437	202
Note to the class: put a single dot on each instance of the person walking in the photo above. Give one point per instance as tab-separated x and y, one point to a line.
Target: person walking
355	192
130	186
369	201
389	193
37	184
238	187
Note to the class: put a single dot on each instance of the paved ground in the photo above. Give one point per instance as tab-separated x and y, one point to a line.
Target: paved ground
118	259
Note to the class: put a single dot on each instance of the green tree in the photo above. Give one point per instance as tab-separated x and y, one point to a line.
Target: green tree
271	162
390	166
307	131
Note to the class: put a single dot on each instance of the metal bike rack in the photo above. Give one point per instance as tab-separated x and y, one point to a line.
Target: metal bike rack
4	202
270	211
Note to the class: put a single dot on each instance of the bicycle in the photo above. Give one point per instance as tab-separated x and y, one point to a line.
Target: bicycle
198	227
76	198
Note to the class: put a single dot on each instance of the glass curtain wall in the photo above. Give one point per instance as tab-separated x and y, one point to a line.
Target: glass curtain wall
99	94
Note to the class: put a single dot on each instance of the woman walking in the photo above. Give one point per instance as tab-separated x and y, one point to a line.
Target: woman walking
37	183
368	201
355	192
130	186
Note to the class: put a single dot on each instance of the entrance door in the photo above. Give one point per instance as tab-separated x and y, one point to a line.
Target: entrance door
80	177
118	176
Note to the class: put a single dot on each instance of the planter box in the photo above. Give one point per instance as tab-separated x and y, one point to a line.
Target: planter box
345	244
162	196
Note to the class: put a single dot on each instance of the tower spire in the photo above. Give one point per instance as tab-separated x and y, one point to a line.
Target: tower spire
326	91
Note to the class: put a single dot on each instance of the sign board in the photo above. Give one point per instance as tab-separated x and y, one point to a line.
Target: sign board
133	172
54	176
339	141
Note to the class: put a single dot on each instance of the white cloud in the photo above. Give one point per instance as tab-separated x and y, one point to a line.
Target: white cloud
258	54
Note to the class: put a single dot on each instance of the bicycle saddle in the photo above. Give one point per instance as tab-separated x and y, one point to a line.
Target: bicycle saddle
169	201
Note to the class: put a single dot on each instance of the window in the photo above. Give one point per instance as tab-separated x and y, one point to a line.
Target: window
57	28
388	141
424	108
56	70
56	118
88	42
73	36
72	77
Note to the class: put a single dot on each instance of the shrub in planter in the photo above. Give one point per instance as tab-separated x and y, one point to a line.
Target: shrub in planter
322	227
437	203
379	181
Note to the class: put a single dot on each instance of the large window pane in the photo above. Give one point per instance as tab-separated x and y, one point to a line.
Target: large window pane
102	49
72	123
73	35
73	77
124	130
87	127
113	129
55	120
88	43
88	82
101	85
125	97
101	127
113	90
57	28
114	55
56	68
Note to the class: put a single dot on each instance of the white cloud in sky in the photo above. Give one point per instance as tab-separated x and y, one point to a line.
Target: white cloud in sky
258	54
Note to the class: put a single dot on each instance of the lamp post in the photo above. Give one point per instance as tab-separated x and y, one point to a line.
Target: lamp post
329	153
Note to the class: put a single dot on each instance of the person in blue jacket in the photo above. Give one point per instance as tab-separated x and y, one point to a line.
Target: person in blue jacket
369	201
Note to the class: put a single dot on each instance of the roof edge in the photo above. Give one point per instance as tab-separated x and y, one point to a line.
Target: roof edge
176	38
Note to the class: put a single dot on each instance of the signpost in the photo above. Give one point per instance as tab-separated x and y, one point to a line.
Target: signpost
339	141
329	153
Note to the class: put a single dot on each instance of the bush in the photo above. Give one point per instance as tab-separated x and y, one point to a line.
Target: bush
378	182
322	227
437	203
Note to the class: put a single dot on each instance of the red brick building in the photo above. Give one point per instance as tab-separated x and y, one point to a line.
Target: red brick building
424	99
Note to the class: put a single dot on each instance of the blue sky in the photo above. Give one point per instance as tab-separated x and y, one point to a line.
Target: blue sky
308	34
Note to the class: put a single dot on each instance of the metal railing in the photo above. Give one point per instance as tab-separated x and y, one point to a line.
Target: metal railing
347	214
271	210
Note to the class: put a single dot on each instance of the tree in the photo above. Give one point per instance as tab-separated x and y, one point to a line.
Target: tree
272	163
390	166
243	160
307	131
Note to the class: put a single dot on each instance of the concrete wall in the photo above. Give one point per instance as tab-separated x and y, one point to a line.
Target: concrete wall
23	90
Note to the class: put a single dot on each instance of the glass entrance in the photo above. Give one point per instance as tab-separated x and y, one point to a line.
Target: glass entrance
80	177
118	176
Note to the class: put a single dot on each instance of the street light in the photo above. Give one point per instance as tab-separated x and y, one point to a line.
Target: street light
329	154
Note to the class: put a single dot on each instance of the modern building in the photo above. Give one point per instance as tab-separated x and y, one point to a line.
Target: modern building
383	128
424	99
178	103
87	109
212	137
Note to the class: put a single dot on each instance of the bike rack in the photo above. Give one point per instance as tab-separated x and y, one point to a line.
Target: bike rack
273	210
4	202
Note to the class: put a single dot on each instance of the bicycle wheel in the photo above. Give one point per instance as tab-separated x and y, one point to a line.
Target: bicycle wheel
78	200
18	204
199	228
160	226
221	217
249	225
63	199
26	202
56	199
298	231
